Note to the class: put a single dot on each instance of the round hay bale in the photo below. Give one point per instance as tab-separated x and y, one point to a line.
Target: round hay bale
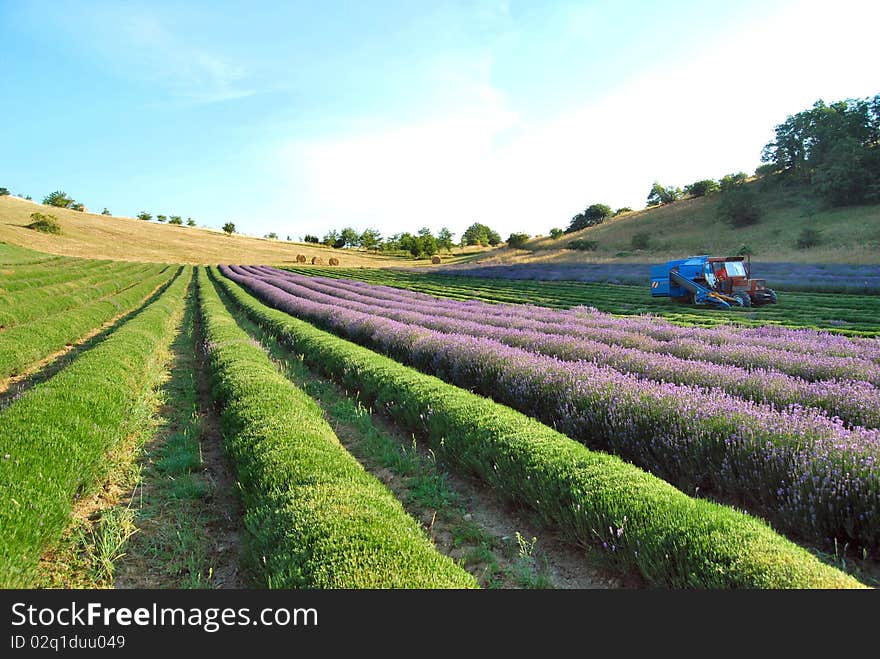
435	259
317	260
300	258
333	261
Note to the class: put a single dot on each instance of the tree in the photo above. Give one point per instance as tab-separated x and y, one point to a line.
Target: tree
730	181
44	223
308	238
444	239
594	214
161	218
271	235
105	211
76	206
660	195
480	234
370	239
58	199
556	233
739	207
494	238
702	188
330	238
842	177
517	240
622	210
175	219
4	192
145	216
229	228
348	237
190	222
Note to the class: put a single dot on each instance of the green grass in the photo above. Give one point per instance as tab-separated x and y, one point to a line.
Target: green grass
54	439
15	255
24	345
644	525
23	306
855	315
315	517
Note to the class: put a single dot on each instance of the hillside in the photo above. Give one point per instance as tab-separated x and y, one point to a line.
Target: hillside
125	239
691	226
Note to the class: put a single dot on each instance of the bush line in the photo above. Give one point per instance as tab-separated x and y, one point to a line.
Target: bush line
645	525
54	439
315	517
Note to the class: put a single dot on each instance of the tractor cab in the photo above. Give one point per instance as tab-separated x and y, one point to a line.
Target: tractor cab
730	276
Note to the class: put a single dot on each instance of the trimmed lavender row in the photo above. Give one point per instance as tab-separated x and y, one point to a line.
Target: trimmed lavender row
810	475
856	403
727	347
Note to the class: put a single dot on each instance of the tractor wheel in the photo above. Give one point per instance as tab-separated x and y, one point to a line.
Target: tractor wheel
773	299
744	299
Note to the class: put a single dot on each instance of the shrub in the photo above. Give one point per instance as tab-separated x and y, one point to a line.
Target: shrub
622	210
583	244
190	222
809	237
272	235
556	233
161	218
702	188
44	223
4	192
518	240
145	216
229	228
730	181
641	240
175	219
739	207
308	238
105	211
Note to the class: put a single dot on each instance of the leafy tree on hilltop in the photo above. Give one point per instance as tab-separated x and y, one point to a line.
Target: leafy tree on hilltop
161	218
480	234
660	195
105	211
175	219
594	214
702	188
229	228
58	199
145	216
729	181
190	222
4	192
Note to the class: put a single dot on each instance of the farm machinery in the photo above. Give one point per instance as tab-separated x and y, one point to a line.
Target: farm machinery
721	282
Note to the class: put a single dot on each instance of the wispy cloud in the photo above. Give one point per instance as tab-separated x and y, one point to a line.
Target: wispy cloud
143	44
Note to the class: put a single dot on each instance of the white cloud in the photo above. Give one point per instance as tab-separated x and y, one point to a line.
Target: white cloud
705	117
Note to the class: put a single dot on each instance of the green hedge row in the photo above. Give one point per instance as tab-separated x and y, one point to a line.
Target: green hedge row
24	306
645	525
23	345
54	439
315	517
32	277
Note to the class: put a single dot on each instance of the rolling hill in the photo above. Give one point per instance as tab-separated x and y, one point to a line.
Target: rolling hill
691	226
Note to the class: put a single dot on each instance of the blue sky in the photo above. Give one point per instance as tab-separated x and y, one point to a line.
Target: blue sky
297	117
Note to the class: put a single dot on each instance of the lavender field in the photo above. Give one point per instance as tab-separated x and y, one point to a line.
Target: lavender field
781	421
820	277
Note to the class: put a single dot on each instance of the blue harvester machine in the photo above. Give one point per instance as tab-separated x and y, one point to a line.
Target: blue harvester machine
716	281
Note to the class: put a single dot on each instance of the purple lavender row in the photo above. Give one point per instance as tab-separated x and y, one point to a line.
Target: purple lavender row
807	473
783	338
628	332
856	403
